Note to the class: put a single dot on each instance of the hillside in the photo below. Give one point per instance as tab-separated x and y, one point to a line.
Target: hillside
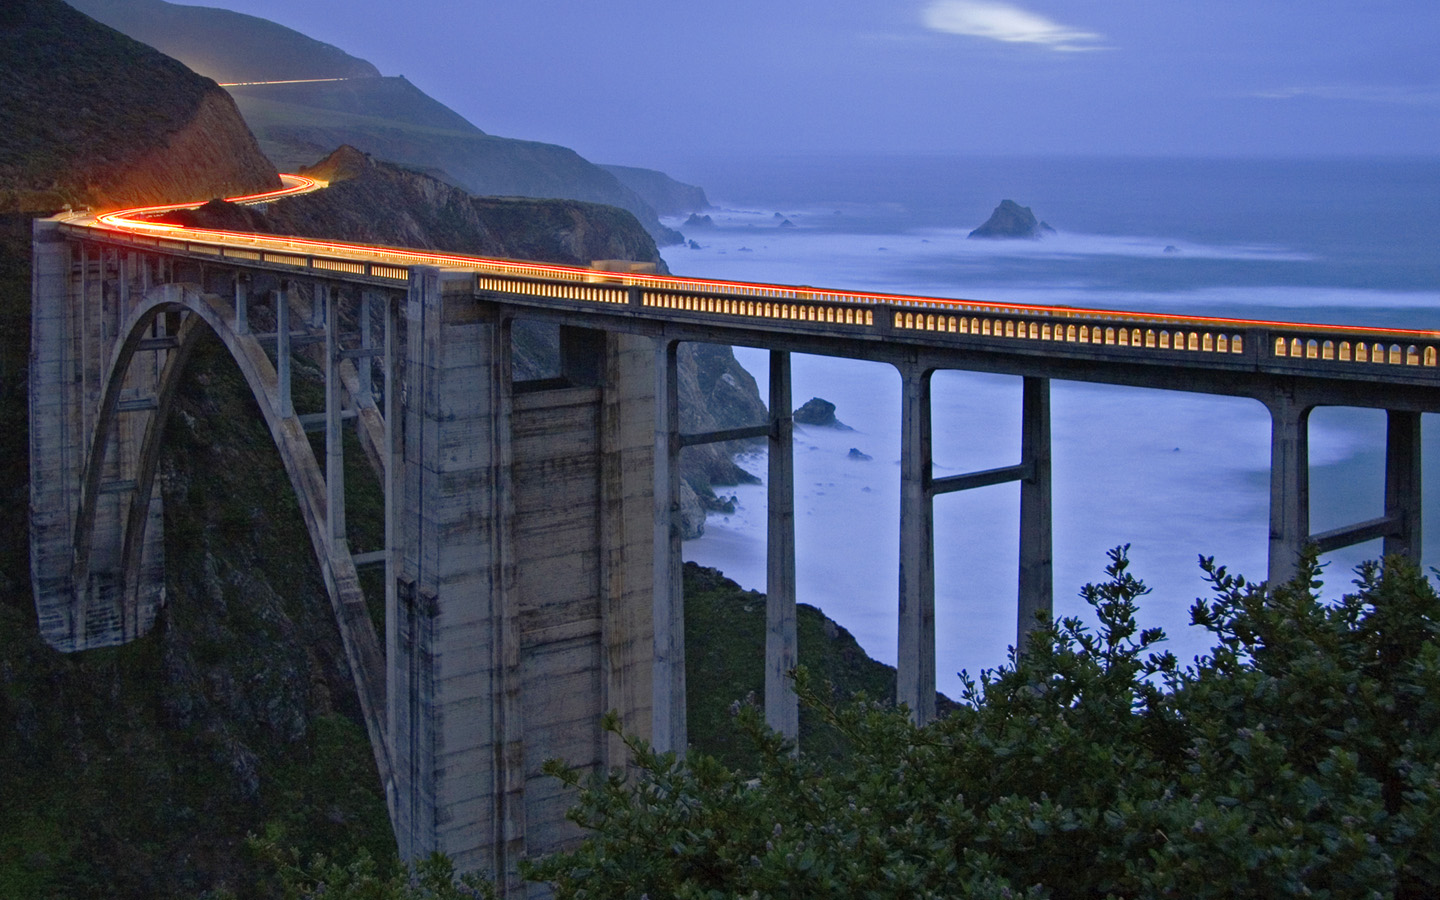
668	196
223	45
387	117
370	201
85	123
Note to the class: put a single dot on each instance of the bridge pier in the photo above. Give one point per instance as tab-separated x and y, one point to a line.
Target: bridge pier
85	454
915	682
915	662
1403	493
668	728
1289	485
782	710
1399	526
522	598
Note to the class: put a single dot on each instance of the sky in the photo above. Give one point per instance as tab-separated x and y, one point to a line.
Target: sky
652	83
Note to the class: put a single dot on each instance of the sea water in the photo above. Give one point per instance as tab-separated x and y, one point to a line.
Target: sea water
1174	475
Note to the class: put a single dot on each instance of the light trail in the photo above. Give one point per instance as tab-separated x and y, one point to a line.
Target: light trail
132	220
290	81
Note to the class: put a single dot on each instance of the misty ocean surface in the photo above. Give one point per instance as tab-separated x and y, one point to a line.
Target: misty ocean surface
1174	475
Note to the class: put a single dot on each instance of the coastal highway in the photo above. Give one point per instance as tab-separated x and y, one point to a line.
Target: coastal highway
1145	332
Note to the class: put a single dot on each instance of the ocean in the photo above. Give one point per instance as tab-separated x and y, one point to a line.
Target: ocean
1173	475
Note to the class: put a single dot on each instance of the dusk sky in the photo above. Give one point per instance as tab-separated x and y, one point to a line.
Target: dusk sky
651	83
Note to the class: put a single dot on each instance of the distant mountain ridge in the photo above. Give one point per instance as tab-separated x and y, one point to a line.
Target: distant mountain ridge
224	45
388	117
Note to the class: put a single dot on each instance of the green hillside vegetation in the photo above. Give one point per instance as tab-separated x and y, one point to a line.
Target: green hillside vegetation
1299	758
223	45
375	104
725	666
79	105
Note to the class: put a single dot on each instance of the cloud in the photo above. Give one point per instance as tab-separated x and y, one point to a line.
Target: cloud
1003	22
1428	95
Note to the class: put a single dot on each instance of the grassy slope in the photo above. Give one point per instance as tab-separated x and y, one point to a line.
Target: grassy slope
725	662
137	771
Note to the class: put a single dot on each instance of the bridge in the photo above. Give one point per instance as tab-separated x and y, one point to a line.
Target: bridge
532	543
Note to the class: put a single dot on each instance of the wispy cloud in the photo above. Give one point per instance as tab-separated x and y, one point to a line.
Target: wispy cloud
1007	23
1404	95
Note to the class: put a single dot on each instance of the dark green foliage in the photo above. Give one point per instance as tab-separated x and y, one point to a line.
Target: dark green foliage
362	879
137	771
77	99
1300	758
725	664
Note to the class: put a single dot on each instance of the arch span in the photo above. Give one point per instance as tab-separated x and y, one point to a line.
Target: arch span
120	546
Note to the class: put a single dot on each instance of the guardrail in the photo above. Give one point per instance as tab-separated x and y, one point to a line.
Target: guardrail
1300	347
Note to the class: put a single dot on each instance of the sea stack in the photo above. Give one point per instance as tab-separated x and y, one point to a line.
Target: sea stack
1011	220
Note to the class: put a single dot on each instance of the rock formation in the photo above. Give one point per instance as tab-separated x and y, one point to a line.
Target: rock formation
820	413
1011	220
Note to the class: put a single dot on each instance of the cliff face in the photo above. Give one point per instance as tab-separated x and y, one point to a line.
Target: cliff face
93	118
212	155
375	202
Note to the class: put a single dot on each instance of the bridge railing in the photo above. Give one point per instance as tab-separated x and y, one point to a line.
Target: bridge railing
1323	350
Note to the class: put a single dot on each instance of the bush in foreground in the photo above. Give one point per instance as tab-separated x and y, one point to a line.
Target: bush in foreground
1301	756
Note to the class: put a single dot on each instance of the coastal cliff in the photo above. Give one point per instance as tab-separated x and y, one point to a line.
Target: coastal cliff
376	202
88	122
297	123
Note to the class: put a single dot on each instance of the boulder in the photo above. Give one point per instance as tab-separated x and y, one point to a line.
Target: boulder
820	413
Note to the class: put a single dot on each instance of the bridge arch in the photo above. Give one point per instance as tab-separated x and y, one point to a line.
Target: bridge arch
198	312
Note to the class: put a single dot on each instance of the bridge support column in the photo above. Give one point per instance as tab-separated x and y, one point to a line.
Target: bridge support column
56	443
915	665
1037	582
1289	486
668	728
453	670
326	301
281	305
1403	483
781	653
84	455
242	303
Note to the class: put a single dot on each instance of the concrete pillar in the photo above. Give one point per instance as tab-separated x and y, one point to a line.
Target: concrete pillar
668	728
56	449
1289	485
364	368
456	732
1037	582
282	348
1403	494
327	300
781	651
627	511
915	675
242	304
393	453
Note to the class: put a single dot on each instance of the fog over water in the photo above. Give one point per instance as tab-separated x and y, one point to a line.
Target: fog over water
1175	475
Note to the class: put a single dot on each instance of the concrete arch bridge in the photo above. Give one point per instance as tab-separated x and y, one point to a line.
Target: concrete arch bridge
532	548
